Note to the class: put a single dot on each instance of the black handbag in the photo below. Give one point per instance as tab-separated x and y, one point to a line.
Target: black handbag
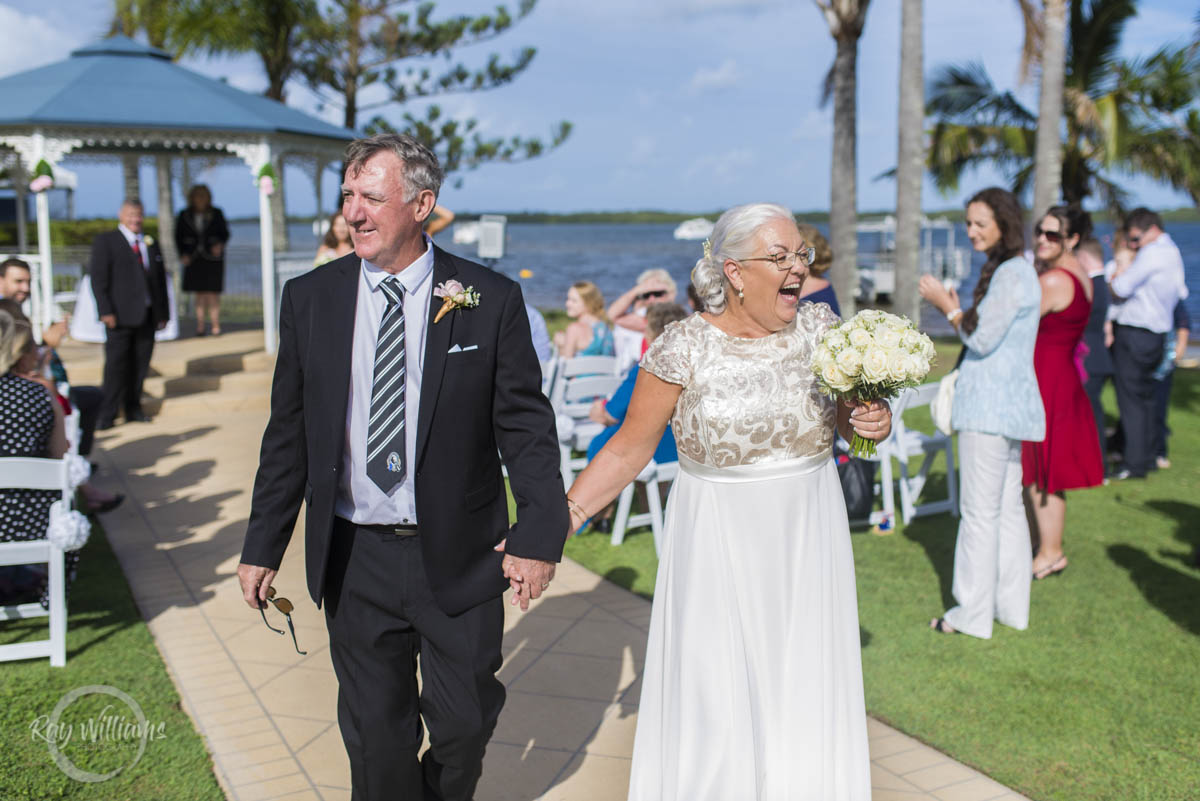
857	477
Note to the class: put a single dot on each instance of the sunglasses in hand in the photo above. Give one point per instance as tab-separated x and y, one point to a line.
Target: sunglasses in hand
285	606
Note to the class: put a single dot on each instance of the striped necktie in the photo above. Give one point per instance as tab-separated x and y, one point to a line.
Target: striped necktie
385	431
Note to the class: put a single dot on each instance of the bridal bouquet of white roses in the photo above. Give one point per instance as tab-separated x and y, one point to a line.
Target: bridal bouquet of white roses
872	355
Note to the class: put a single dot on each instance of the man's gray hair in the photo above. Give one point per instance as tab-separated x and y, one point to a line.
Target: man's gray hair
132	201
421	168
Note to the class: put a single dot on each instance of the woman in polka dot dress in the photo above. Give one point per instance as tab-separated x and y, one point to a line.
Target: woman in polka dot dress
31	424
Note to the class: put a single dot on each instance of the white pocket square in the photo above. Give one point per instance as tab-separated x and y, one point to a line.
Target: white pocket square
460	349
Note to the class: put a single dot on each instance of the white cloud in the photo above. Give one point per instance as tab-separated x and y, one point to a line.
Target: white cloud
727	75
721	166
31	41
817	125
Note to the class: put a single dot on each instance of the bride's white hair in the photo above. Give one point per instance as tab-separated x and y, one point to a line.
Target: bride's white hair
732	238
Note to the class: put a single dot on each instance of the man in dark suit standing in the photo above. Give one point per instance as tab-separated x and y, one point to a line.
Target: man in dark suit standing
130	285
391	409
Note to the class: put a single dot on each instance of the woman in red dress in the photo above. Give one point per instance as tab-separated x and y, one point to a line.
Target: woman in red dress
1069	457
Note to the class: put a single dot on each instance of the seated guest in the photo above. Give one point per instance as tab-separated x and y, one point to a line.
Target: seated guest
611	413
628	314
588	334
33	427
816	288
49	370
337	242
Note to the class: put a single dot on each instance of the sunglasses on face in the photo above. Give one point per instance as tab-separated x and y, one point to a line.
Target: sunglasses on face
1051	236
285	607
658	293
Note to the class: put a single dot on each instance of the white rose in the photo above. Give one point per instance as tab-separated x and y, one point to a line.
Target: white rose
911	339
822	356
874	365
897	364
887	337
849	361
836	379
836	340
920	367
860	338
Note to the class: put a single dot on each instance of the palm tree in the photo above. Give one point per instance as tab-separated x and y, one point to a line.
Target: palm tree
1045	44
1133	116
910	163
845	19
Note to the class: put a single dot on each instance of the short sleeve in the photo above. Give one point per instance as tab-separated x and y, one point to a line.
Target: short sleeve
820	317
669	356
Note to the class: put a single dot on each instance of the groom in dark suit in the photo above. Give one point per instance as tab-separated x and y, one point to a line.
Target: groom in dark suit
391	410
130	286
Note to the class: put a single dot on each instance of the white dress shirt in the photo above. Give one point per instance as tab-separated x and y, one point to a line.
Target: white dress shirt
1146	293
359	500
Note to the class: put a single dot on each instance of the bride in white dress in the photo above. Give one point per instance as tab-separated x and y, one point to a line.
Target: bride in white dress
753	685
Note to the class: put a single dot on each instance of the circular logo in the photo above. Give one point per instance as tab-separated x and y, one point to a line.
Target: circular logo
64	763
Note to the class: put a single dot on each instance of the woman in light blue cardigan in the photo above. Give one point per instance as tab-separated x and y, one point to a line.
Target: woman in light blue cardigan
996	405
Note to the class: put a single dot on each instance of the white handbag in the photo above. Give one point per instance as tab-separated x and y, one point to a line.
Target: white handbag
942	405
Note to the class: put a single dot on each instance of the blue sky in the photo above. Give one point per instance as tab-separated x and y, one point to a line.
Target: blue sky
677	104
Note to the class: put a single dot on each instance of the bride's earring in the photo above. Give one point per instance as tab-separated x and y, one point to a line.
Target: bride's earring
741	296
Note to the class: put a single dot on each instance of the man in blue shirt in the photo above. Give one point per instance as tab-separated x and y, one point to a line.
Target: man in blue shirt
1144	296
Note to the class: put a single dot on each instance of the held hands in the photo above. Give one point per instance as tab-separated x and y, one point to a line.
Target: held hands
529	578
872	420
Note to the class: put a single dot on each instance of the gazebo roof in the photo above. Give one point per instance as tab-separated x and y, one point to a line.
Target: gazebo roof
122	83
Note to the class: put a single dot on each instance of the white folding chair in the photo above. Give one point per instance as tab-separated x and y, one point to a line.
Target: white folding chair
578	382
651	476
905	443
37	474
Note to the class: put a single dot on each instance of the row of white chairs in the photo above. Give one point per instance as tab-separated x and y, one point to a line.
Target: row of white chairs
41	474
572	385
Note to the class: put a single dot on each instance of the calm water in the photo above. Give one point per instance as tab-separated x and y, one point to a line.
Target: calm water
613	255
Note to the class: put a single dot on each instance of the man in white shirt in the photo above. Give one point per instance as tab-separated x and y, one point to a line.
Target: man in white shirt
1144	295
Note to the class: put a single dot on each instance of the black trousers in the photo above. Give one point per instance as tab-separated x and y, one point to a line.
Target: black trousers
1136	352
88	401
1094	387
382	619
126	362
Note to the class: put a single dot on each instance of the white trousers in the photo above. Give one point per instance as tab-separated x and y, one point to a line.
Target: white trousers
993	559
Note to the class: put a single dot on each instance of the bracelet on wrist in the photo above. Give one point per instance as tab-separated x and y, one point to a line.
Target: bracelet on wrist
954	314
575	507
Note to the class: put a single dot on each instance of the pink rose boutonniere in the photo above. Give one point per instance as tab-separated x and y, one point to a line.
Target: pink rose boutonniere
454	296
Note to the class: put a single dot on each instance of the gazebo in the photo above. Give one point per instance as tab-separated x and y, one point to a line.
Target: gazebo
119	97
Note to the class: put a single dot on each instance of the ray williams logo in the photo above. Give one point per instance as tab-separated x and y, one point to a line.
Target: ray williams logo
119	726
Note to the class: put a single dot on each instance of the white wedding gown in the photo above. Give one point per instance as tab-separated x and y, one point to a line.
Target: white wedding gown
752	688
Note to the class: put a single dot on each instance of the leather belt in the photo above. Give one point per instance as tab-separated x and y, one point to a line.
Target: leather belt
393	531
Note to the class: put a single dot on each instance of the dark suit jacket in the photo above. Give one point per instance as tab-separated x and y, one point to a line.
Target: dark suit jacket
121	284
190	242
475	407
1098	361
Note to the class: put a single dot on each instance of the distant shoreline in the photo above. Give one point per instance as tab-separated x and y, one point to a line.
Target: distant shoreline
654	217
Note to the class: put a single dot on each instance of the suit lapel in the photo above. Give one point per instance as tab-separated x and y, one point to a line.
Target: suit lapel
437	342
336	344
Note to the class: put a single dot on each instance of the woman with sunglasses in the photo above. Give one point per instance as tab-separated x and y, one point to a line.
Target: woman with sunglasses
753	684
1069	457
996	406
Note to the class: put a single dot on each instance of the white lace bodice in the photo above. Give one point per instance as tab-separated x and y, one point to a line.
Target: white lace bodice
746	401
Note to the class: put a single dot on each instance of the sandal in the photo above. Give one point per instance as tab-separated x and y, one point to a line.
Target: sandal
942	627
1051	570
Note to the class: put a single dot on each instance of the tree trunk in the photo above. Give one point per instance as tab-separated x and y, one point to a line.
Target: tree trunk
843	196
1050	108
910	162
166	222
133	181
279	210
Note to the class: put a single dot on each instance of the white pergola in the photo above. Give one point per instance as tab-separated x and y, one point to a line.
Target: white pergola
119	97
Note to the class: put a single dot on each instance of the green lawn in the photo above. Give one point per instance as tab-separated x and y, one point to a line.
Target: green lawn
107	644
1100	698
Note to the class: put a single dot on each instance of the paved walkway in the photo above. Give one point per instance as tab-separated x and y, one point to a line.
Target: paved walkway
268	715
